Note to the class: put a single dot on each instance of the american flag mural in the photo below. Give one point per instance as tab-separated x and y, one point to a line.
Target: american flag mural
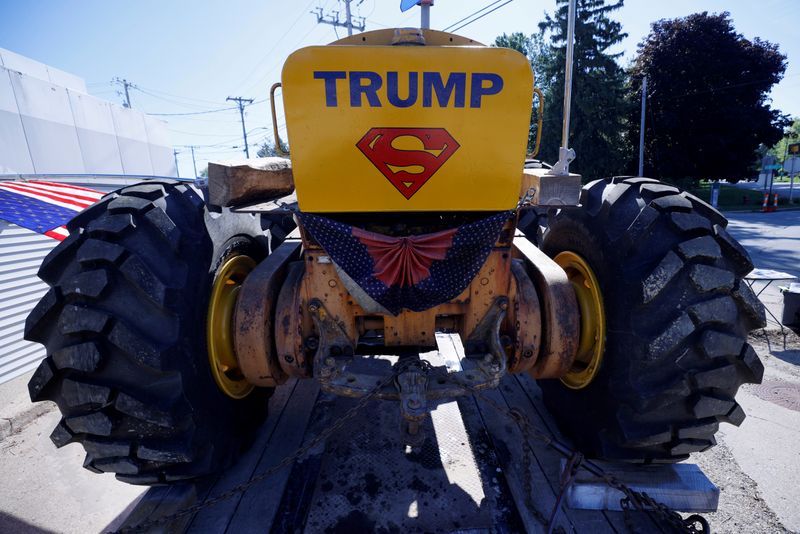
44	207
412	272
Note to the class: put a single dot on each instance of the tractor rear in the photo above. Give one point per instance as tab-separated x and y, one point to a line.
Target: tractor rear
409	210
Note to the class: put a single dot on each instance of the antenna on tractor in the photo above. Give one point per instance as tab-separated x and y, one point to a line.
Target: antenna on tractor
566	154
425	13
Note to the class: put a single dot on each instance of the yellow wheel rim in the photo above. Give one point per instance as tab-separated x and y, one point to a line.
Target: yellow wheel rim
219	326
593	320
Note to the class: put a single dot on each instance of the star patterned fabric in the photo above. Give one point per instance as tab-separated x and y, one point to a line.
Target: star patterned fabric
439	274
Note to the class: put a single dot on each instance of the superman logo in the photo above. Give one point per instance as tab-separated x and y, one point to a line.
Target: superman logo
408	157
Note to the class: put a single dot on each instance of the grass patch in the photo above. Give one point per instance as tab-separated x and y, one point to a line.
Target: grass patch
732	198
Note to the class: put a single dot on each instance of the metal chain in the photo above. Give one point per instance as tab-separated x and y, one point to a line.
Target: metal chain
296	455
632	499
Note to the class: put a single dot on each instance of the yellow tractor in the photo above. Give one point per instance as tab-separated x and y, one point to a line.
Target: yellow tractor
409	209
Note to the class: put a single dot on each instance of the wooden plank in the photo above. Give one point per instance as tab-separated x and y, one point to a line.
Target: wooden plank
238	182
538	414
257	507
215	519
532	491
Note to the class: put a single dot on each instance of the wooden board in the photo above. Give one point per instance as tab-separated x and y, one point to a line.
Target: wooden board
475	472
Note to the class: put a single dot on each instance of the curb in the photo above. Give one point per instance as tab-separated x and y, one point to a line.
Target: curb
12	425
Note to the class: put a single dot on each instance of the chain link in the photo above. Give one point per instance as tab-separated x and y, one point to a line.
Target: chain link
631	500
286	461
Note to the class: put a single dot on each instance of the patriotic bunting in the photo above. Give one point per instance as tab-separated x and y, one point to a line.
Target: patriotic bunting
413	272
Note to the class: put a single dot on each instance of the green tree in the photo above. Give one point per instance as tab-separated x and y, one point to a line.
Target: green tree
791	135
268	149
538	53
707	108
598	113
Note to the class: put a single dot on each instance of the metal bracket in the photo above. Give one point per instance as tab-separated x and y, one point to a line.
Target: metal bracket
412	386
342	372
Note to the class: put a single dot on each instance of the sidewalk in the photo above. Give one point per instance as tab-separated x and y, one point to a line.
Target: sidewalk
16	408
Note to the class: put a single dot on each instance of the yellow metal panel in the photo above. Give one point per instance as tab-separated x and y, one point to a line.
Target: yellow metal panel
382	128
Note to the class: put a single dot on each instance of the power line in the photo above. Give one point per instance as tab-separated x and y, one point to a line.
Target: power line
487	6
480	17
272	49
203	112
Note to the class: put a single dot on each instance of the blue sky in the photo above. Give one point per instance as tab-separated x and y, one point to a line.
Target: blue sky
188	56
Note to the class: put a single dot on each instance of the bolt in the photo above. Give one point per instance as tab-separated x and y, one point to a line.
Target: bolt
313	307
332	283
312	342
330	362
503	303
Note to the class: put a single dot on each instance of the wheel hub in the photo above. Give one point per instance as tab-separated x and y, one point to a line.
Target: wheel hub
219	326
593	320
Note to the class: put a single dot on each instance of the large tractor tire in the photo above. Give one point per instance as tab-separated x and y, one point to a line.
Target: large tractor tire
676	311
124	324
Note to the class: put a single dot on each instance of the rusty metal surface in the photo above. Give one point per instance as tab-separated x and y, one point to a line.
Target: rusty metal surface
561	317
290	316
254	341
322	281
785	394
526	317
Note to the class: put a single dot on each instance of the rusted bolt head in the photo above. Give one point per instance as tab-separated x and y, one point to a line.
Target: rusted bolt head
312	342
332	282
484	281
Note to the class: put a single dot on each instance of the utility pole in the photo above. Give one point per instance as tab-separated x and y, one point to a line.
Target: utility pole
177	171
194	163
125	84
332	18
641	127
240	102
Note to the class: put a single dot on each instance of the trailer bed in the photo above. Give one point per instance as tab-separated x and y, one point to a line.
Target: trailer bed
470	475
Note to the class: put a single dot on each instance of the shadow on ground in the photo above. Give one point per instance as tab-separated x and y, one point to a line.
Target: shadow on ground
12	524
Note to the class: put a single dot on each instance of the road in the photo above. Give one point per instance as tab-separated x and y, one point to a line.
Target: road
773	241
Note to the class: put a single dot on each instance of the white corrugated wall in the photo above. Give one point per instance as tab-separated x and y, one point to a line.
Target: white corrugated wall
21	253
